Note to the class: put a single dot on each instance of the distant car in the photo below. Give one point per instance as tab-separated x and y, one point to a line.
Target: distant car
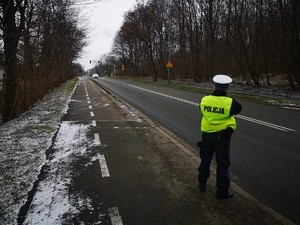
95	75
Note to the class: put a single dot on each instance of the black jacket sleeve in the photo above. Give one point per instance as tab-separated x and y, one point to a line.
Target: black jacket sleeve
236	107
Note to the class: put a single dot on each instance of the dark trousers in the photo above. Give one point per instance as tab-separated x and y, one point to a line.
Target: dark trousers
218	143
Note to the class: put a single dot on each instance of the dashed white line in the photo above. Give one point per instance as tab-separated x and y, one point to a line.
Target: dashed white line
94	124
103	166
86	92
90	107
274	126
92	114
115	217
97	139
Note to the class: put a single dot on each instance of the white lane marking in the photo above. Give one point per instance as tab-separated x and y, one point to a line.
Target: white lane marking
86	92
94	123
90	107
238	116
168	96
103	166
92	114
97	139
115	217
264	123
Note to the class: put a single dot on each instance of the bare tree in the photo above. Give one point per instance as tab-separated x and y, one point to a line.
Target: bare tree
255	39
41	39
11	35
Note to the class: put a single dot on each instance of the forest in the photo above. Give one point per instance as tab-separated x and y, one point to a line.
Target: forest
39	41
252	39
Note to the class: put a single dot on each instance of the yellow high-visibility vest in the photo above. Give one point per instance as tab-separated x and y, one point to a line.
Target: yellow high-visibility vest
216	114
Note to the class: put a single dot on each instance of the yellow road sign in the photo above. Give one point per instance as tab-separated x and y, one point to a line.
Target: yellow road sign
169	65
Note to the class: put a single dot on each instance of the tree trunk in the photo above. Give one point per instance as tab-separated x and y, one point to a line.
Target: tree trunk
10	38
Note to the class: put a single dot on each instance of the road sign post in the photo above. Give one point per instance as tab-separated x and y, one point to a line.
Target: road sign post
169	66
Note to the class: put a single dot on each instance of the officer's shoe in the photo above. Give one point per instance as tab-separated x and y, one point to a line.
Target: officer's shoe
202	187
224	195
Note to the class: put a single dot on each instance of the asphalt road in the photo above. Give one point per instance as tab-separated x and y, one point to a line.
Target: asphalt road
108	164
265	148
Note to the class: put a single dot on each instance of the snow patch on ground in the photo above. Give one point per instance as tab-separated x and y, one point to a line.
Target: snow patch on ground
128	109
51	203
24	142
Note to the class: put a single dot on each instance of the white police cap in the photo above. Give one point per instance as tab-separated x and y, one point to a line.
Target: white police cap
222	79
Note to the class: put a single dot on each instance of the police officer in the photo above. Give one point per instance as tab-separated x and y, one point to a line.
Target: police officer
217	125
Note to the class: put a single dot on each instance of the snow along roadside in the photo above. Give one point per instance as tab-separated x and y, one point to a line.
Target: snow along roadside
24	142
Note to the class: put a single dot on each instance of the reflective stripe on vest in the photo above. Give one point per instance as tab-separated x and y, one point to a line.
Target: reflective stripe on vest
216	114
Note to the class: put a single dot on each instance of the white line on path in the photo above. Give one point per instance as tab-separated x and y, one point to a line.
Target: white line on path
237	116
92	114
97	139
103	166
115	217
94	123
86	92
90	107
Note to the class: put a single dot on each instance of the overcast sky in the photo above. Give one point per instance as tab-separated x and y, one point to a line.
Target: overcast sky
104	20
